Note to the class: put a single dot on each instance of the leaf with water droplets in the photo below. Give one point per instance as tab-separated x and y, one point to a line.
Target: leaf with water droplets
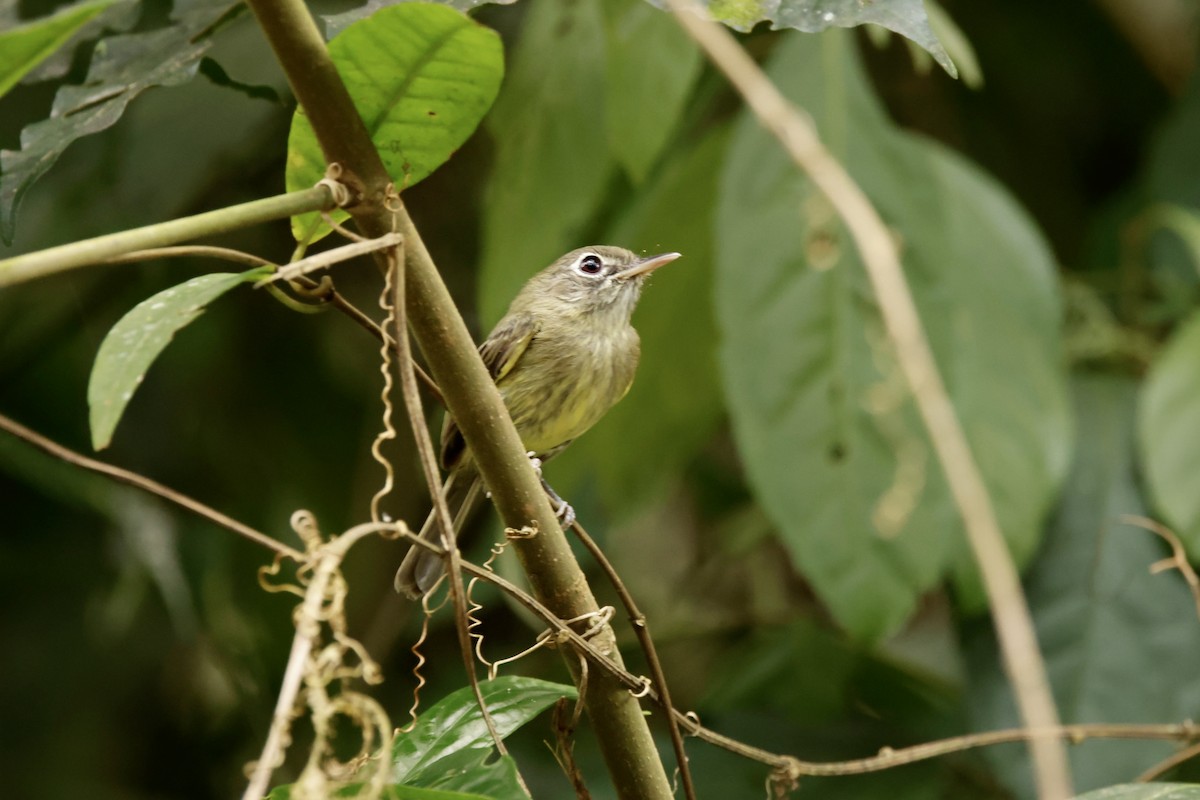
136	340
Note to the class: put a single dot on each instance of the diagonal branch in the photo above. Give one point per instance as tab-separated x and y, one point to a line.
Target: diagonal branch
470	394
1023	661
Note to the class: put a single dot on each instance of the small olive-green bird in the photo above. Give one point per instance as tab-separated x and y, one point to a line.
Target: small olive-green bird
561	357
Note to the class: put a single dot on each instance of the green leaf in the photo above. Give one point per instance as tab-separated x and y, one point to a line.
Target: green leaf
397	792
422	77
820	412
552	160
1183	222
1105	627
1168	422
905	17
122	67
24	47
1145	791
675	402
478	774
138	337
652	65
454	726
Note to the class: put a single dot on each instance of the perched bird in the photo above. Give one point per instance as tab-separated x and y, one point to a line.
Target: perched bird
561	357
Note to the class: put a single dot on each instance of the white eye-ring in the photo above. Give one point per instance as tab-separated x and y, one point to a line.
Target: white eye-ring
590	264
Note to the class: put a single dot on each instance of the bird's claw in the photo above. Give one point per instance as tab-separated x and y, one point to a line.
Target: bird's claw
565	513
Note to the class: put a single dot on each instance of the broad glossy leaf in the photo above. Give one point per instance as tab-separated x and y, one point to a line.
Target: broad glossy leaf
1103	620
905	17
122	67
1168	422
651	67
675	402
137	339
820	410
454	725
24	47
1145	791
477	773
422	77
552	160
395	792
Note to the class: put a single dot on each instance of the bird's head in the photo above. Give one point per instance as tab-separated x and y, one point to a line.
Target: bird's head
596	279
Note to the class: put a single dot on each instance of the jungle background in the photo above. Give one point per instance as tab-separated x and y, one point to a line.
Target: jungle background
1051	237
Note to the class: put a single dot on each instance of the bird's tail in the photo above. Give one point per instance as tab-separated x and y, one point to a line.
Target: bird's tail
421	568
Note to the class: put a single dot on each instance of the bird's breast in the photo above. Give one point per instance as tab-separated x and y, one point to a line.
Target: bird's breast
566	380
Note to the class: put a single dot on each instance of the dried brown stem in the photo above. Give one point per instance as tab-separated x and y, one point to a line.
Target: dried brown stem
1023	662
416	418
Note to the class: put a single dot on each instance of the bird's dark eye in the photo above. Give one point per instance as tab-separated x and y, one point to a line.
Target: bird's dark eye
590	264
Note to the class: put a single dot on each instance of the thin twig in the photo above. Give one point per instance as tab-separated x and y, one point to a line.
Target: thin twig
1178	559
1023	661
196	250
1169	763
416	417
641	628
154	487
330	257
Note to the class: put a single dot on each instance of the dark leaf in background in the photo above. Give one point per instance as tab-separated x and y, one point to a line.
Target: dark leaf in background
552	160
1168	427
1120	643
651	68
122	67
828	437
422	77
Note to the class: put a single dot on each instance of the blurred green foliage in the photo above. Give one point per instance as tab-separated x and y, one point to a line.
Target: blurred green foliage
739	488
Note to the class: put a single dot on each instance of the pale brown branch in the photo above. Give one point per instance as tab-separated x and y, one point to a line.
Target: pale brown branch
1023	661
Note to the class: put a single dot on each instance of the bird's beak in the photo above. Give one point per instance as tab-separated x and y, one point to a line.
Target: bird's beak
647	265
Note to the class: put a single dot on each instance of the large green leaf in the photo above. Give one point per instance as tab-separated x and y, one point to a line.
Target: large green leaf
651	67
422	77
1103	620
905	17
122	67
819	407
453	729
552	159
24	47
1168	424
675	401
137	339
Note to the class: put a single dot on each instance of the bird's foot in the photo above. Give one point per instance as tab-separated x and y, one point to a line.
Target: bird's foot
562	509
536	463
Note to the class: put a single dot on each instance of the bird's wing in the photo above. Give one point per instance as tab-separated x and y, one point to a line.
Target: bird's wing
500	352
